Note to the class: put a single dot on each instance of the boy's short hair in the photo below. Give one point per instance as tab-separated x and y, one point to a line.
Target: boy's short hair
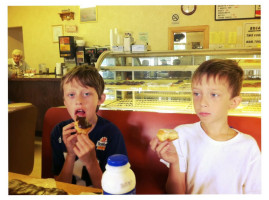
222	69
86	76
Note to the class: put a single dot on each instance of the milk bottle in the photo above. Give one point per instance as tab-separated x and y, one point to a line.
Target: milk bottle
118	177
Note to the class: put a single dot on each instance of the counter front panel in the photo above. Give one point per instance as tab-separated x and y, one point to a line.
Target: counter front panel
41	91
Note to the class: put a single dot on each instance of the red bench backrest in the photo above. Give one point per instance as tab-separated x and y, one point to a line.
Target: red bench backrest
138	128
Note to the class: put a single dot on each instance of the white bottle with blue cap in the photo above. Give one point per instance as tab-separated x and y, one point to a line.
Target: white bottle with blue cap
118	177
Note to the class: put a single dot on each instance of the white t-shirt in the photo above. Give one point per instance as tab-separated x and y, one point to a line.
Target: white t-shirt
218	167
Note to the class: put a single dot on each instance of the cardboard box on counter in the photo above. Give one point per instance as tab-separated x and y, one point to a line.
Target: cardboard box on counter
139	48
117	48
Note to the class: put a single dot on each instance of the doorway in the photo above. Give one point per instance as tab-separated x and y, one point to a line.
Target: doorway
189	37
15	39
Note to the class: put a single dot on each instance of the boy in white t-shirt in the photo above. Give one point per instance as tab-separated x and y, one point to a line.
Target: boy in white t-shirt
210	157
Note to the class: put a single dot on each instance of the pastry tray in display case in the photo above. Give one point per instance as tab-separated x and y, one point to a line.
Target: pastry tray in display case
161	81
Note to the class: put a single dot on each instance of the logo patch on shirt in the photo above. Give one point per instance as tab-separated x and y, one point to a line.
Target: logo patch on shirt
101	144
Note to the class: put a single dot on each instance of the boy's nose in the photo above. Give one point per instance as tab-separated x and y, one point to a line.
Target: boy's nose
204	101
79	100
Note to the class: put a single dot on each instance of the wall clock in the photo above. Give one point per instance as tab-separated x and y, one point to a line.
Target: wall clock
188	9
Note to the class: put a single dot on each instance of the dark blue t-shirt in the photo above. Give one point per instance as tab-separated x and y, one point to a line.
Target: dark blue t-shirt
106	137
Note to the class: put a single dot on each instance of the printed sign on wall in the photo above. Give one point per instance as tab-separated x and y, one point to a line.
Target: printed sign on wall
252	35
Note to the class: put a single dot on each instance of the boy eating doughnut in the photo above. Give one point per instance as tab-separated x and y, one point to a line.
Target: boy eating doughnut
210	157
81	158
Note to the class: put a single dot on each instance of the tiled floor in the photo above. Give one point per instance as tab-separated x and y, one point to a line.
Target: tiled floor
37	162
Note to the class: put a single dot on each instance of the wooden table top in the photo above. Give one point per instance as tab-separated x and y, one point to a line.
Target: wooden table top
69	188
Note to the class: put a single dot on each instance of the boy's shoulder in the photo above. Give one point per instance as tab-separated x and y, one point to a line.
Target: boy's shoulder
188	127
105	128
189	130
244	137
102	126
106	124
102	122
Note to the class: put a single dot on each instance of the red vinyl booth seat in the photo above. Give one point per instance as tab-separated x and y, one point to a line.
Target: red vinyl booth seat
138	128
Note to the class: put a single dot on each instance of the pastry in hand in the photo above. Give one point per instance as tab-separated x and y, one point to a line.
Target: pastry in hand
82	125
167	134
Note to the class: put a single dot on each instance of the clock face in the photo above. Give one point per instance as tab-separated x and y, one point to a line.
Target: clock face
188	9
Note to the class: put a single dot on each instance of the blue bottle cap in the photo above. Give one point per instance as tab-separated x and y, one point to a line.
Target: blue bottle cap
117	160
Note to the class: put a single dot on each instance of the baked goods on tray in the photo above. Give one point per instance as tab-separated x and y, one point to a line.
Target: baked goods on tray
18	187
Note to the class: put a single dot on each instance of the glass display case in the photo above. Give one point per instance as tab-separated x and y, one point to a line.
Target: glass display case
161	81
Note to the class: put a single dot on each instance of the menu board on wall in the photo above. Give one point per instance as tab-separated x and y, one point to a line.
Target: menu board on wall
234	12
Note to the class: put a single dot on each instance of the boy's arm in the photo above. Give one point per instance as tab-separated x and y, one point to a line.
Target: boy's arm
176	181
85	150
166	151
67	170
253	181
95	173
64	167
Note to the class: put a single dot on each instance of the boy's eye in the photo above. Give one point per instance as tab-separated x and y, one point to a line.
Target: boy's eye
70	95
86	94
196	94
214	95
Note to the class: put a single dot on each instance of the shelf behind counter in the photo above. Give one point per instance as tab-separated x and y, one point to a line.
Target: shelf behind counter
43	91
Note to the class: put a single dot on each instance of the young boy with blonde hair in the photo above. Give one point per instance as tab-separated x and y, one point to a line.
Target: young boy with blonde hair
210	157
81	158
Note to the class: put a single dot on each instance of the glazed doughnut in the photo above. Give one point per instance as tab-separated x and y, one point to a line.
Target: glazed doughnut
167	134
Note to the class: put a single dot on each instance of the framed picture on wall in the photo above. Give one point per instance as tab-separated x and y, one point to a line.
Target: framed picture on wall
57	30
88	14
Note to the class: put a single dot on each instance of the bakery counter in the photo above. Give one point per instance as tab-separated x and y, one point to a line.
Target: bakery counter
43	91
175	97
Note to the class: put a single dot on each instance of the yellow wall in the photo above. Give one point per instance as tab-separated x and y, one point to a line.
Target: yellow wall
37	22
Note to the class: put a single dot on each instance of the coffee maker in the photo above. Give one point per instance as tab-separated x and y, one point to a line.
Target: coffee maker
75	52
67	48
82	56
93	53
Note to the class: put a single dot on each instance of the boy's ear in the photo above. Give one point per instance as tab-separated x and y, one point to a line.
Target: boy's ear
102	99
235	101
